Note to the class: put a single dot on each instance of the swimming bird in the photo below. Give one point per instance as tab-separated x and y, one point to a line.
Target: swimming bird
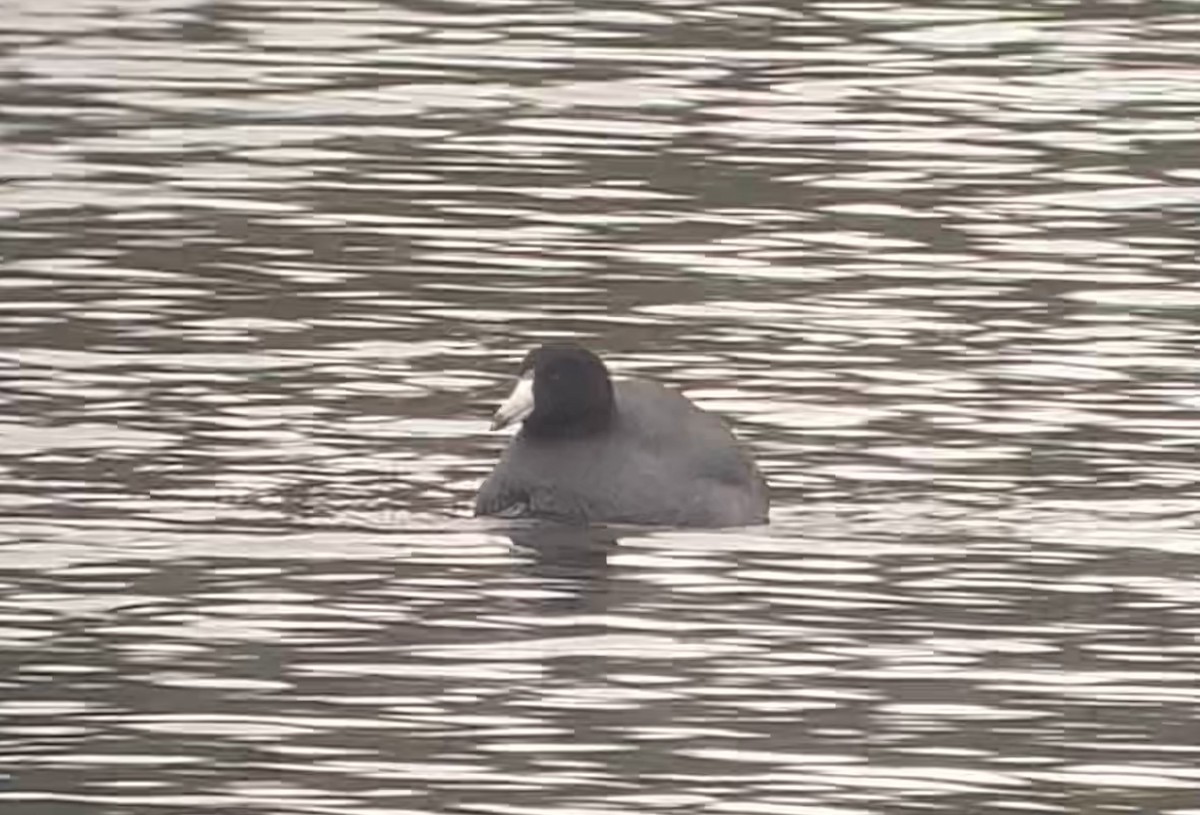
591	450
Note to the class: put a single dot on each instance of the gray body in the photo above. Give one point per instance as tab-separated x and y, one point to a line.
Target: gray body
662	461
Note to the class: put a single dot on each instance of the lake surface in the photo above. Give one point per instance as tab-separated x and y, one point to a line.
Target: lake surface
267	268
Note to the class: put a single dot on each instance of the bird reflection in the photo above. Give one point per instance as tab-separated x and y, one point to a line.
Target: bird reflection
574	557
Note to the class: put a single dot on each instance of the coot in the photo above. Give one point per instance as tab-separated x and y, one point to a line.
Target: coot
591	450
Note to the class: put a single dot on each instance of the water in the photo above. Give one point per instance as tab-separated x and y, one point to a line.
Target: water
267	269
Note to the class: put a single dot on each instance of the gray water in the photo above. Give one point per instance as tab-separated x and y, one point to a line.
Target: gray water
267	268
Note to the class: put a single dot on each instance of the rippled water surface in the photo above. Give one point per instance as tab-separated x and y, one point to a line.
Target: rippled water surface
266	268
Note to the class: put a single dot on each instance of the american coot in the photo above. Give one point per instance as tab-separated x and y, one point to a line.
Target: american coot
595	451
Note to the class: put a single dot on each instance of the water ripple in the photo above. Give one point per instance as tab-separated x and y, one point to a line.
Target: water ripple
267	269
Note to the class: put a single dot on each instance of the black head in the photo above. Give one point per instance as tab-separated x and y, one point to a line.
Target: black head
572	394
